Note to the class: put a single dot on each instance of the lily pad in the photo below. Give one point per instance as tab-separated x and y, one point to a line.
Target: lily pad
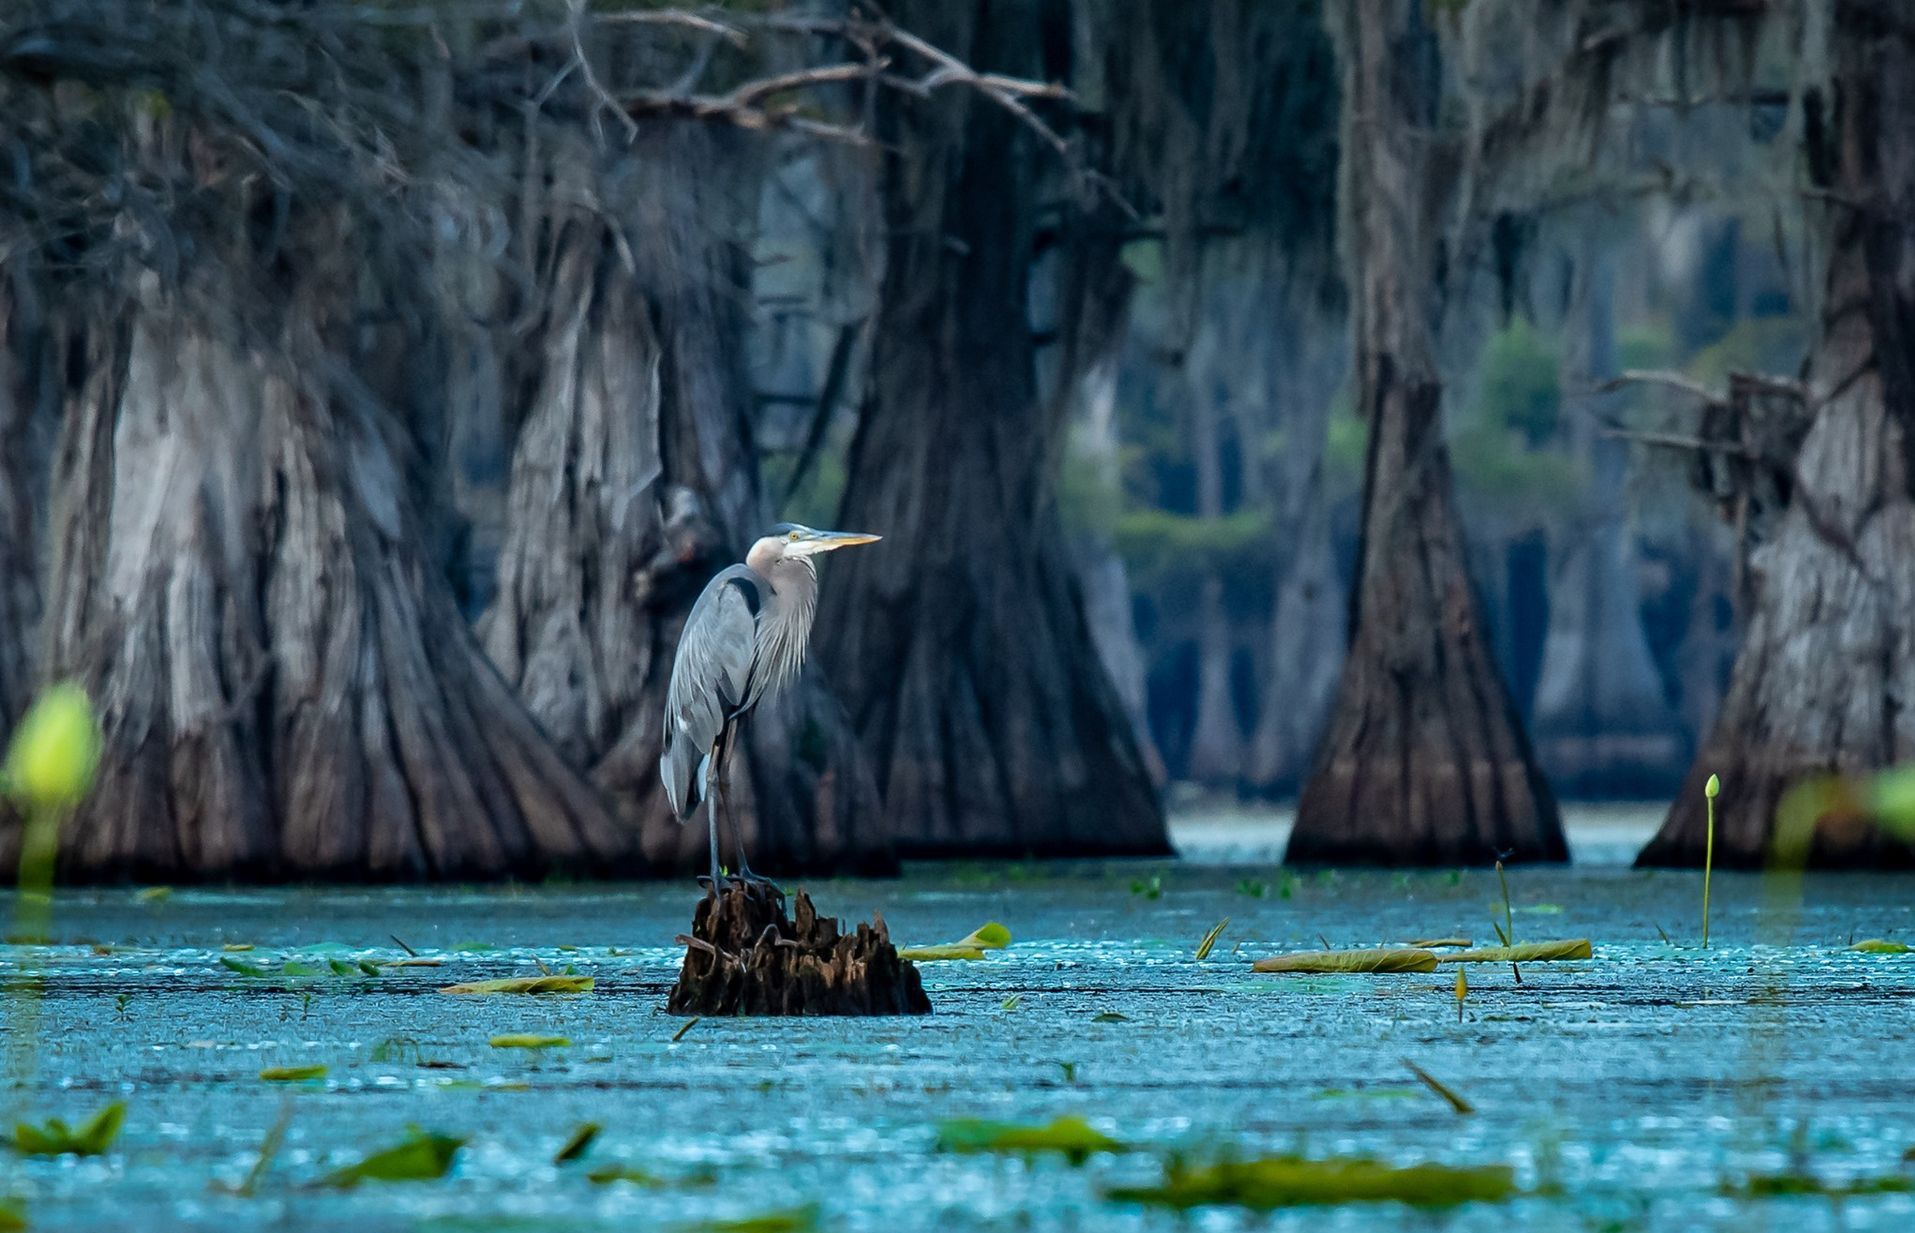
986	937
1525	952
13	1216
1882	946
53	1138
1289	1181
550	983
1072	1137
292	1074
529	1040
1382	959
421	1156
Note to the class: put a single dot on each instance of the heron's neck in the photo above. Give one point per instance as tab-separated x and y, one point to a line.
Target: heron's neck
794	587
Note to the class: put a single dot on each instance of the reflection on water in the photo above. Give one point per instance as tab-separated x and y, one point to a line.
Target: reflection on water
1227	833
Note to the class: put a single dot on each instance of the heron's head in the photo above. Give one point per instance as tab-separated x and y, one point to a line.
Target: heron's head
788	541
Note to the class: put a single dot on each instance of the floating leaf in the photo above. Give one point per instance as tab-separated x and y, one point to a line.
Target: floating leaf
13	1216
90	1138
1012	1002
1210	939
420	1157
580	1140
529	1040
473	947
292	1074
1527	952
1770	1185
153	894
1073	1137
237	948
550	983
791	1220
1110	1016
990	936
1463	1107
1382	959
1882	946
1441	944
605	1175
1542	909
243	967
1287	1181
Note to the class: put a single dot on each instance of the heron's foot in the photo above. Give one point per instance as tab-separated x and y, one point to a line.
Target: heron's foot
757	881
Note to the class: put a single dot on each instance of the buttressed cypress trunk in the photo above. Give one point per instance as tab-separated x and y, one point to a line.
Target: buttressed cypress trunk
286	686
960	642
633	481
1423	761
1828	659
19	572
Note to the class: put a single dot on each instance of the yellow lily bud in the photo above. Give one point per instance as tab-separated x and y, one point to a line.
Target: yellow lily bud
1713	788
55	750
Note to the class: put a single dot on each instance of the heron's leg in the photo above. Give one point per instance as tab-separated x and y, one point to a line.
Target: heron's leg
743	873
714	801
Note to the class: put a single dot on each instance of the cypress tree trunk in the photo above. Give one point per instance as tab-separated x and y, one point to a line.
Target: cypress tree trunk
1603	727
633	481
1216	742
1828	658
1307	624
286	686
19	570
1424	761
961	642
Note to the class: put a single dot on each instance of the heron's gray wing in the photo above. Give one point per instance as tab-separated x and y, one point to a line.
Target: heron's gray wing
711	679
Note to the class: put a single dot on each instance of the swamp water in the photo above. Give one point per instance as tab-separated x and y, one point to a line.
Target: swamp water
1643	1089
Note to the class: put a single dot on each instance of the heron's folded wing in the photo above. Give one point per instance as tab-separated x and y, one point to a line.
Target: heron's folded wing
711	678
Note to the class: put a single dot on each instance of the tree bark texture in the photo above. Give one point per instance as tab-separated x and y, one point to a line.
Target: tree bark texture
961	642
1217	740
633	481
1828	656
1094	319
19	501
745	957
1424	760
1602	723
286	686
1309	618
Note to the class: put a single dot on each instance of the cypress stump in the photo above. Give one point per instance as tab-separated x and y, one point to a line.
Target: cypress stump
746	957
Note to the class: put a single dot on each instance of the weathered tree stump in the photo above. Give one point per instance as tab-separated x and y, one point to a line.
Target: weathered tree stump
745	957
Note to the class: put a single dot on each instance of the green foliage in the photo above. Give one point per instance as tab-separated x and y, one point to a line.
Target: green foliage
292	1074
551	982
1754	344
1291	1181
986	937
420	1157
1072	1137
1521	387
529	1040
54	1138
1158	544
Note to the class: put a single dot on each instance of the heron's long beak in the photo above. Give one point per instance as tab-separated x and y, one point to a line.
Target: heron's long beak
831	541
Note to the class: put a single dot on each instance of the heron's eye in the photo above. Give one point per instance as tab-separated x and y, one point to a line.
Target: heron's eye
792	536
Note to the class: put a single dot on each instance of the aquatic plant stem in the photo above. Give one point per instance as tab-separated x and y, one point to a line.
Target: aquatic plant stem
1709	791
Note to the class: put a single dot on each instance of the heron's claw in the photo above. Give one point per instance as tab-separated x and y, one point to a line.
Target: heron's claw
756	881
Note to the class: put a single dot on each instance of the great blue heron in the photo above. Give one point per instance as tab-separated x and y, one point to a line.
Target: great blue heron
744	641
